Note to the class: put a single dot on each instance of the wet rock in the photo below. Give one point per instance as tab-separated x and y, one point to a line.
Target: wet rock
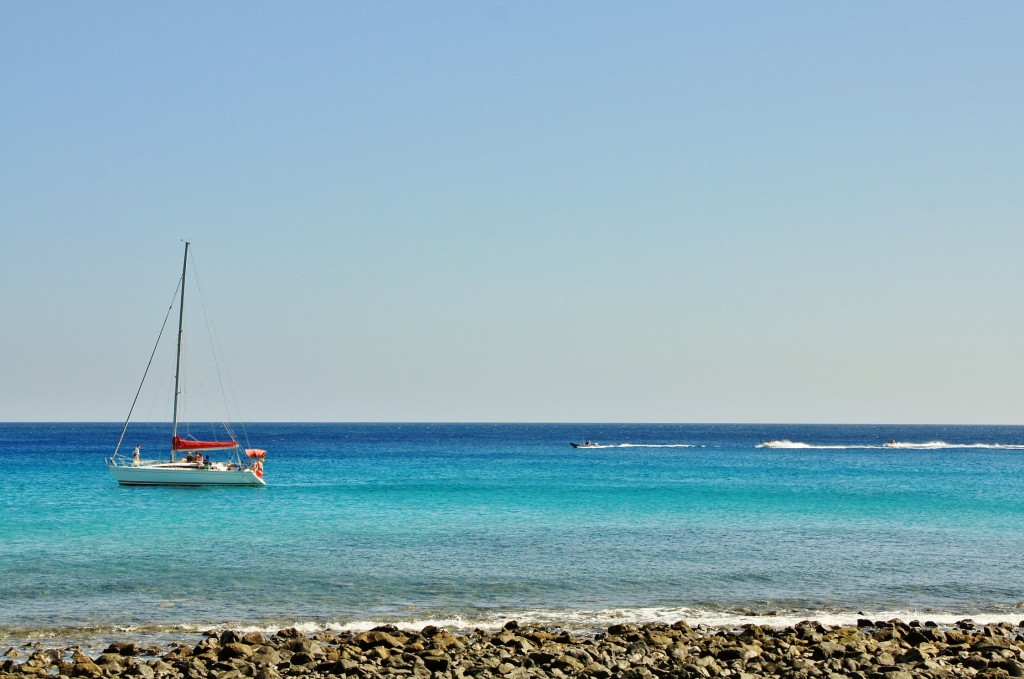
124	648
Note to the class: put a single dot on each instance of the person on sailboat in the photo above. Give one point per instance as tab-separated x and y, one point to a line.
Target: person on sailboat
136	454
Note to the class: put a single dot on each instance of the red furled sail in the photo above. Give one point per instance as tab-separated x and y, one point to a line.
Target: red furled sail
178	443
255	453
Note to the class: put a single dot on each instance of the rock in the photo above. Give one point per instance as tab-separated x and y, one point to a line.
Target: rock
989	643
730	654
622	630
915	637
253	639
885	658
266	655
143	671
86	668
828	649
898	673
160	667
694	670
302	658
1012	668
176	653
445	639
598	671
123	649
568	662
436	663
233	650
229	637
193	669
377	637
267	673
919	654
975	662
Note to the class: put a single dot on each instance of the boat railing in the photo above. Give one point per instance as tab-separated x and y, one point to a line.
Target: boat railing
119	460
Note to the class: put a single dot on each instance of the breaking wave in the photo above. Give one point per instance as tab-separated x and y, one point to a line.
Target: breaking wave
93	639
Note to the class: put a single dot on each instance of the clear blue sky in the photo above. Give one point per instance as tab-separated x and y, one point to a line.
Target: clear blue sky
525	211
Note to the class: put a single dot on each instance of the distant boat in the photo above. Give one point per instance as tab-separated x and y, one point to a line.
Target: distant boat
586	444
190	463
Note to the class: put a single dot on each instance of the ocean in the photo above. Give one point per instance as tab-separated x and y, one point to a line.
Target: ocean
471	525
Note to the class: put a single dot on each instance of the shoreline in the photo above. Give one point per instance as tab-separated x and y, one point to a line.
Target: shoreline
94	639
868	649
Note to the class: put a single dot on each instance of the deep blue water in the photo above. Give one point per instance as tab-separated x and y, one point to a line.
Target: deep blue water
473	524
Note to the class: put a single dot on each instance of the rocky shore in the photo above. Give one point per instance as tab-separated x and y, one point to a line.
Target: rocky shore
869	650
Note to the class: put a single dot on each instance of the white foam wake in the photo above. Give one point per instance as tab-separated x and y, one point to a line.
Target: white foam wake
654	445
941	445
594	446
928	445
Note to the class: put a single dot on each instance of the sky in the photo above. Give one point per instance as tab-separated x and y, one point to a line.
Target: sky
521	211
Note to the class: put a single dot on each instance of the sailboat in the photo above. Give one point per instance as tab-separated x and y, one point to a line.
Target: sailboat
189	463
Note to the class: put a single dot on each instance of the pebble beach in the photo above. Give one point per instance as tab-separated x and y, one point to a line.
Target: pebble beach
869	650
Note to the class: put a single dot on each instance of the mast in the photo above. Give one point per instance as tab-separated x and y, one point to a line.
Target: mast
177	360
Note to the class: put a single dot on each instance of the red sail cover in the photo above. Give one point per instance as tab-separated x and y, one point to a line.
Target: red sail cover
178	443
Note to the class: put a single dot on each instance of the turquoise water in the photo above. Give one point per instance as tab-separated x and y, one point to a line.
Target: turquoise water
473	524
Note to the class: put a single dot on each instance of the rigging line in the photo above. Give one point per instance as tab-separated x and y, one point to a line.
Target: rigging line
217	351
148	364
202	386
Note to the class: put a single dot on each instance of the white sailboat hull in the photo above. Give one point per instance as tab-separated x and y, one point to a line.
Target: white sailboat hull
182	475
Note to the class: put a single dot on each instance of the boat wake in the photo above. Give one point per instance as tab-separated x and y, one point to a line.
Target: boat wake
640	445
940	445
904	445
